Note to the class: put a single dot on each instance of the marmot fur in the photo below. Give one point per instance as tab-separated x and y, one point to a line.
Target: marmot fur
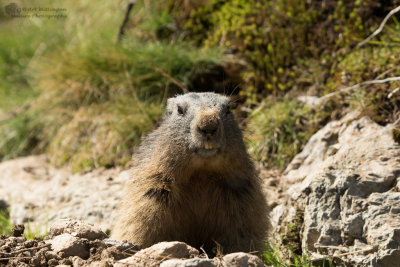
193	181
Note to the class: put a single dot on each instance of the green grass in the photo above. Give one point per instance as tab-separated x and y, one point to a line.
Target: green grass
91	98
273	256
15	54
23	41
35	232
277	131
31	232
19	136
5	223
105	98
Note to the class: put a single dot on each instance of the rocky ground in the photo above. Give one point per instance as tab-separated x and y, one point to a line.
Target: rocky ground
75	243
38	193
341	193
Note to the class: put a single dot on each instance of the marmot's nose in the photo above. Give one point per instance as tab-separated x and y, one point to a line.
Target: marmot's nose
208	126
208	130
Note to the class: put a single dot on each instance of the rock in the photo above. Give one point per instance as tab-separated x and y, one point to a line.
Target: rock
154	255
173	249
49	255
196	262
77	261
347	181
67	262
18	230
70	246
124	245
310	101
318	148
133	261
389	258
76	228
30	243
114	253
241	259
103	263
52	262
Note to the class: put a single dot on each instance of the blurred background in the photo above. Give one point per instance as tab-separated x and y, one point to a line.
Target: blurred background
74	87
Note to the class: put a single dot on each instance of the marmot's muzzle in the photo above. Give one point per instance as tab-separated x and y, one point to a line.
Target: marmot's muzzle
207	129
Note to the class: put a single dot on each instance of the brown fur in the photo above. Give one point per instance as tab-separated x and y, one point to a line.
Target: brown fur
177	193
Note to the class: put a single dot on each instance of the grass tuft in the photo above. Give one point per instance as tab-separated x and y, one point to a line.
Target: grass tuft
277	131
5	223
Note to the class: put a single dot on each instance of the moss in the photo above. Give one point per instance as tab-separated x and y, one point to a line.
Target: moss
278	39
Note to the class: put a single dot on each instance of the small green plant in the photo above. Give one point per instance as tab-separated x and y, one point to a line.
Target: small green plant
272	256
35	232
30	232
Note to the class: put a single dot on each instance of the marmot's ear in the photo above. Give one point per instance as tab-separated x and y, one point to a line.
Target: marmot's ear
232	105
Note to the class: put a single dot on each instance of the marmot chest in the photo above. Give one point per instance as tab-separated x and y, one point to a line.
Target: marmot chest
208	196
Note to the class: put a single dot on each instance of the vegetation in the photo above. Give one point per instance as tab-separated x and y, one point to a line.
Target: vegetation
30	233
285	129
273	257
277	55
5	224
86	100
93	102
104	112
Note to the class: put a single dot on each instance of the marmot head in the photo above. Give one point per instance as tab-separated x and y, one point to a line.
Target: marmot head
204	125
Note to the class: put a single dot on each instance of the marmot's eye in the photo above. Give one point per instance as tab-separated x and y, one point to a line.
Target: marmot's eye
229	107
180	110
